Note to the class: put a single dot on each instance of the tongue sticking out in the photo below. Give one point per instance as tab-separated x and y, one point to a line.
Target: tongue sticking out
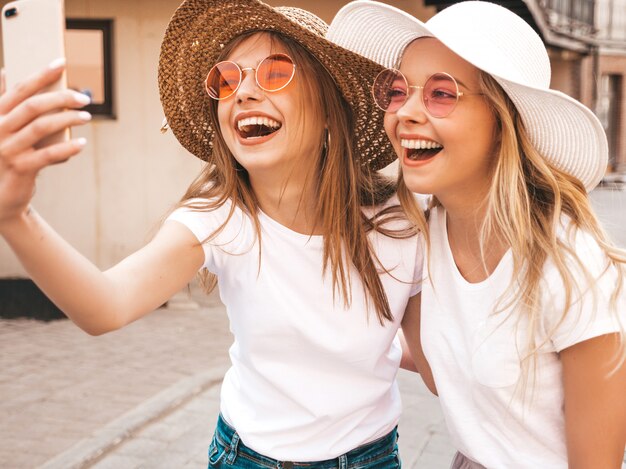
415	154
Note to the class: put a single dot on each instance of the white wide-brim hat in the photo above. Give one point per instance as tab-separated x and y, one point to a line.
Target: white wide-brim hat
502	44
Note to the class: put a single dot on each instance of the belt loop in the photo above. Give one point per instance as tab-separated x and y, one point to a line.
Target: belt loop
343	461
232	450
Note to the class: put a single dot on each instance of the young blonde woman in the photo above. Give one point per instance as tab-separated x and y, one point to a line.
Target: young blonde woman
315	259
523	306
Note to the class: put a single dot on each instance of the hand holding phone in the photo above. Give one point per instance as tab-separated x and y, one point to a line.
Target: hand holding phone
35	116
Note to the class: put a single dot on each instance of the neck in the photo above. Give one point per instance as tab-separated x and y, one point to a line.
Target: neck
290	202
464	238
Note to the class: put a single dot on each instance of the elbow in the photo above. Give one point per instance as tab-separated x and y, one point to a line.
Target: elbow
100	328
95	331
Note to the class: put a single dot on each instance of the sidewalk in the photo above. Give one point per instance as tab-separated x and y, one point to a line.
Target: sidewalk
145	396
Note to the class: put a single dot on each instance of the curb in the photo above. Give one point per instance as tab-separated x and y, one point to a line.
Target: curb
116	432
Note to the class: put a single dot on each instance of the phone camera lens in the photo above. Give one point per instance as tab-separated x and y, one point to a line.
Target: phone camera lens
10	13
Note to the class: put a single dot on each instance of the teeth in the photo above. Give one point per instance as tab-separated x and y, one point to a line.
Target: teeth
258	120
418	144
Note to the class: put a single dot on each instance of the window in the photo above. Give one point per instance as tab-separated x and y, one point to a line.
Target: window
88	47
609	105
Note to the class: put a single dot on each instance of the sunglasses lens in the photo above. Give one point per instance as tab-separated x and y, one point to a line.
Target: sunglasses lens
275	72
390	90
223	80
441	94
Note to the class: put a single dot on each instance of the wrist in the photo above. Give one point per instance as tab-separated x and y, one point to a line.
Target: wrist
13	223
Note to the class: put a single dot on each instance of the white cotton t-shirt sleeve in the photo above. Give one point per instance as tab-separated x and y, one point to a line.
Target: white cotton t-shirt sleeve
591	313
233	238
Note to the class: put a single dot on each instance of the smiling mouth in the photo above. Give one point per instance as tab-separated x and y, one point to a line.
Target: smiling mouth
257	127
420	150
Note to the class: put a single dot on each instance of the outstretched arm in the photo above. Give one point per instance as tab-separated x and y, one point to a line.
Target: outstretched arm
97	301
595	403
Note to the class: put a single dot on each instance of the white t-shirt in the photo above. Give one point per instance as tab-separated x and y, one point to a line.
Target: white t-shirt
475	360
310	379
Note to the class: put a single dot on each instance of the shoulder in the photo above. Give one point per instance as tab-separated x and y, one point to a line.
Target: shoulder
207	217
583	304
582	251
583	261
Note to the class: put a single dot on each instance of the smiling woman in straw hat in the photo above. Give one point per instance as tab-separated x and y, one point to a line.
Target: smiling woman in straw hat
523	306
315	259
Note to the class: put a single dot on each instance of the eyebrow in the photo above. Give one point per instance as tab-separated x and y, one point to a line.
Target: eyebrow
460	82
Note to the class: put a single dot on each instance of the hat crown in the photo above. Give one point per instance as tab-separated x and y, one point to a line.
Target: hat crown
494	40
304	18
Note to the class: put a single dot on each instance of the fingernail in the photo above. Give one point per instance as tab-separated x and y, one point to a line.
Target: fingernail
82	98
84	115
57	63
80	142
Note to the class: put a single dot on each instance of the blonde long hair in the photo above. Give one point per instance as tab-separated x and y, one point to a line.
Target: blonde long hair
343	184
525	202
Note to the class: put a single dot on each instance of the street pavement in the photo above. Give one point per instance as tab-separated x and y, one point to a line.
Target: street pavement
147	396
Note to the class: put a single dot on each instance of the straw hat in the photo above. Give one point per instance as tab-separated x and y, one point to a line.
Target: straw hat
500	43
200	29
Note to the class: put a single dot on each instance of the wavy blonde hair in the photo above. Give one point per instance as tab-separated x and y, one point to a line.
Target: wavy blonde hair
343	184
524	205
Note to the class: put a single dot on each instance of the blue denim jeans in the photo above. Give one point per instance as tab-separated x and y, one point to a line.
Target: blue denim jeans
228	451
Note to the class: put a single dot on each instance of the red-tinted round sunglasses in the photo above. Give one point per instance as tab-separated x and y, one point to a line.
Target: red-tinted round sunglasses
273	74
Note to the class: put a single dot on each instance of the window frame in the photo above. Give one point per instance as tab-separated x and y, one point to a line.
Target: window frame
107	108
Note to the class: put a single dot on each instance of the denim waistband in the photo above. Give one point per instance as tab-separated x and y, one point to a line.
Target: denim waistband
228	437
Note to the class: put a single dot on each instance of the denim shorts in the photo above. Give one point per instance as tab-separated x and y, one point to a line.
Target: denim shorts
228	451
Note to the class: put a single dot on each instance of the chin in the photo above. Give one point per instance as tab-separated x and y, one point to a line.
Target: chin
418	184
259	163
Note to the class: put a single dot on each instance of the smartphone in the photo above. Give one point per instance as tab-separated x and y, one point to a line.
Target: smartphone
33	35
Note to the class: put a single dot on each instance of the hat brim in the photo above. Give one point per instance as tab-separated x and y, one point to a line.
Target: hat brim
200	29
565	132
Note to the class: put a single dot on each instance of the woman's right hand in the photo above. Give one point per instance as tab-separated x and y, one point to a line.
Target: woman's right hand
25	118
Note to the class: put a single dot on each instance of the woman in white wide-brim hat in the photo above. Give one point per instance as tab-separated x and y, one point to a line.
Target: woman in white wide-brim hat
523	306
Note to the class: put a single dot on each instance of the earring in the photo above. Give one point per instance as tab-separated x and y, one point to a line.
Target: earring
326	144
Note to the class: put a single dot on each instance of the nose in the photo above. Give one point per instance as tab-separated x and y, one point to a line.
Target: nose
413	109
248	89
